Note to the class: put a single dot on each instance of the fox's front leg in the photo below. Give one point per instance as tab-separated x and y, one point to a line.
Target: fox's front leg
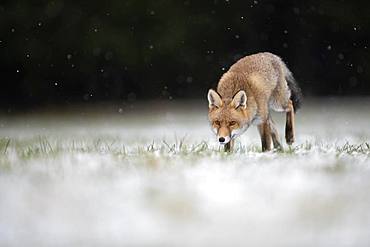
229	146
275	135
266	138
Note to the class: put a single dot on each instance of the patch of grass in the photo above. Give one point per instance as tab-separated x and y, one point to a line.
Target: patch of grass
4	145
43	147
347	148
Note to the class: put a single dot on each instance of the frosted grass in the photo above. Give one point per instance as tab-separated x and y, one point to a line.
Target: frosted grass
159	179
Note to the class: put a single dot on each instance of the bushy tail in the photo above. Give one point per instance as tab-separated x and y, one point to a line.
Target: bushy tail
296	92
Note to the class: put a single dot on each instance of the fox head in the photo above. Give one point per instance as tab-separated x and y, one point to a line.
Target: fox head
229	118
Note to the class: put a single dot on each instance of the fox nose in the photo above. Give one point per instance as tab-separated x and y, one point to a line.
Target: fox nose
221	139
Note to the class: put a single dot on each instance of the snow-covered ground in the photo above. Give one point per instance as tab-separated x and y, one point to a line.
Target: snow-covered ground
152	175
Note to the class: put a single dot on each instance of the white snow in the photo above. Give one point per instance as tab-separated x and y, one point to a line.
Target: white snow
315	196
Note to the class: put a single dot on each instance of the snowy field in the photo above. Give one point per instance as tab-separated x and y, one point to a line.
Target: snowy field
153	175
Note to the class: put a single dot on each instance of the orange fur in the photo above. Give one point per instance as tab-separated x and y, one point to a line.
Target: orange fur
246	93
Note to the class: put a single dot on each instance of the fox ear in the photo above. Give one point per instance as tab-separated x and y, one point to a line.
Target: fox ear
214	99
240	99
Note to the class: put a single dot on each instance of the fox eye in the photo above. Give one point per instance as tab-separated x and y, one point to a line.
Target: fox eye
216	123
232	123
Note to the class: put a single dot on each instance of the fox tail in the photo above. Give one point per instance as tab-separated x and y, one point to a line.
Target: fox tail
296	93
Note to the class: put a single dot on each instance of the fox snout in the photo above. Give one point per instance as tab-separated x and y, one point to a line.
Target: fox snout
223	135
224	140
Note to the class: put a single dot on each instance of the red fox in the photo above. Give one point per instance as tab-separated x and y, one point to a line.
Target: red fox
246	93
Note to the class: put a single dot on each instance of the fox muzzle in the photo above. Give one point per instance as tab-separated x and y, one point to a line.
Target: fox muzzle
224	139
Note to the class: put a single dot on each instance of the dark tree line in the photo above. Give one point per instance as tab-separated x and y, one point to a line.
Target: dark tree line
69	51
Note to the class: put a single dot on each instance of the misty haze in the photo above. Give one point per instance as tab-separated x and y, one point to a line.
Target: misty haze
105	138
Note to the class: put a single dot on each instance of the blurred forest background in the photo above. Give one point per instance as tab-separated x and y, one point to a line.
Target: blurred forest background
66	52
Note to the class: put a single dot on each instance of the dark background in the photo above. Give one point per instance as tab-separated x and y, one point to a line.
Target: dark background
67	52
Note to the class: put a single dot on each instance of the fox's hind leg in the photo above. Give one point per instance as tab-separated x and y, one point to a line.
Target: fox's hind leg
274	135
265	133
289	126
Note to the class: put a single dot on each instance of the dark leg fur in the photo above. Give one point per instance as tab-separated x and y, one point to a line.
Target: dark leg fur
229	146
289	126
265	133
